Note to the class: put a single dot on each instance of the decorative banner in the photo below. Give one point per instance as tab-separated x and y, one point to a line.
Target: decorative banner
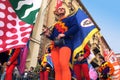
86	30
13	32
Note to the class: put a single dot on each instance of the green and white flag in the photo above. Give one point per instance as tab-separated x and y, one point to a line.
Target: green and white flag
26	10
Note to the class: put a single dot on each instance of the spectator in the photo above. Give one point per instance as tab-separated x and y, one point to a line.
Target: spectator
81	64
105	69
31	73
3	71
45	66
25	75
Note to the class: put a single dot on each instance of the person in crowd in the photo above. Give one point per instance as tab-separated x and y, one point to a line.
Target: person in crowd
105	69
12	62
62	36
3	71
25	75
45	67
81	64
31	73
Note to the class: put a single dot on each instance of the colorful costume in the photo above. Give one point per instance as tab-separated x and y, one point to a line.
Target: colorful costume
75	30
61	53
44	68
82	66
106	70
13	62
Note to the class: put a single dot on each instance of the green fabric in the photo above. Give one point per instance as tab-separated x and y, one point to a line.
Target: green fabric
25	8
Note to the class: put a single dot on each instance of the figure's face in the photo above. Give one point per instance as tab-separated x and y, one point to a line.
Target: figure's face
60	12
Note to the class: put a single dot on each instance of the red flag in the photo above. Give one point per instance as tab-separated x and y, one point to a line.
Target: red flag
111	57
13	32
59	4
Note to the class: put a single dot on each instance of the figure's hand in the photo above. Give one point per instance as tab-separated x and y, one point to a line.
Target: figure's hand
80	58
60	36
46	32
8	63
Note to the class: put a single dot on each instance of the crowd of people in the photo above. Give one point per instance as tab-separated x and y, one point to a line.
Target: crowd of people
46	70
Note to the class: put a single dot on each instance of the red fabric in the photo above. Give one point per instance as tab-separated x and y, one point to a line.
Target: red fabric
14	32
9	72
61	27
59	4
60	58
87	51
44	75
14	57
10	68
78	68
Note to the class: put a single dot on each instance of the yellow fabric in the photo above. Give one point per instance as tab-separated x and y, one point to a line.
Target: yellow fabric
106	64
84	43
44	61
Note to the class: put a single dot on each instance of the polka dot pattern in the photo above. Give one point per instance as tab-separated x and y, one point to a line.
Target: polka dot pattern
13	31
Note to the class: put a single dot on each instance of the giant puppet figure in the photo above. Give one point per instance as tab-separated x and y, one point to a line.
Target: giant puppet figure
12	62
62	36
70	35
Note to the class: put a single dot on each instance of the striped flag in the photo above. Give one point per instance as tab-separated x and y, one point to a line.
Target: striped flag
110	57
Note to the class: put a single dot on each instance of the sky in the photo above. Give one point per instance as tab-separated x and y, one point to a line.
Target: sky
106	14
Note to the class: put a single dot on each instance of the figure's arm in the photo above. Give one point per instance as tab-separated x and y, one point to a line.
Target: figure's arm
87	51
86	54
72	28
